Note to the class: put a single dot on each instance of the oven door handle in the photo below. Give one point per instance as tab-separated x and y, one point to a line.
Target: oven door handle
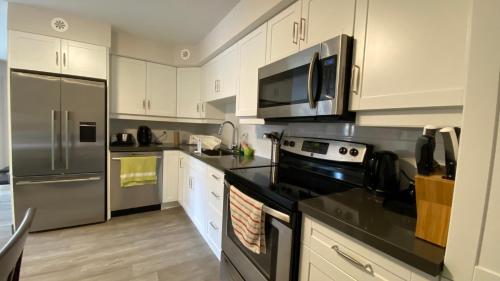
310	95
270	211
276	214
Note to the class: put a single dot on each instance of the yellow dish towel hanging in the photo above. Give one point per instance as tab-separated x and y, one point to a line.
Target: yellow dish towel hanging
136	171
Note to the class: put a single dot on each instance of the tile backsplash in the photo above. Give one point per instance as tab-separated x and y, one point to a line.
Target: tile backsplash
158	129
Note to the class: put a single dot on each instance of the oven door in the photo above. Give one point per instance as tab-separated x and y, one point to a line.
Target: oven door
274	264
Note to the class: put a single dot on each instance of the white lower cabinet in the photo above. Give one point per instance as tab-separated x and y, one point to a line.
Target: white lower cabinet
170	176
201	193
330	255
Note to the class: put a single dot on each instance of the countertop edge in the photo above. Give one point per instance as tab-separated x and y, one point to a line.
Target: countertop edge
387	248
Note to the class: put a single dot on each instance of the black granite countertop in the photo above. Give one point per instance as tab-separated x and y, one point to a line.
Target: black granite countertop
222	163
361	215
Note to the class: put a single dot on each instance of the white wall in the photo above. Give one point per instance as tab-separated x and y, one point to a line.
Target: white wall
477	147
130	45
37	20
4	145
3	30
243	18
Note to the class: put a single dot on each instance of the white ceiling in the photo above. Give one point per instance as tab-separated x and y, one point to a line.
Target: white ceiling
170	21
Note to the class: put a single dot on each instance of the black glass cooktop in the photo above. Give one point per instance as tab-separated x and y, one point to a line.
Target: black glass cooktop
295	181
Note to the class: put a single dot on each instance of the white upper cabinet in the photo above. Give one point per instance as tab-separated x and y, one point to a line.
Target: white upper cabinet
252	56
34	52
221	74
228	67
188	92
82	59
128	86
409	54
283	33
325	19
49	54
161	90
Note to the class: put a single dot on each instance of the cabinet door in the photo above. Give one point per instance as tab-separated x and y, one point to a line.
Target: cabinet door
34	52
183	179
161	90
128	86
212	77
85	60
229	65
170	176
188	92
252	56
283	33
395	70
198	196
324	19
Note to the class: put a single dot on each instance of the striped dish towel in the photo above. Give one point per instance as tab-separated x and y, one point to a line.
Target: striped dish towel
248	220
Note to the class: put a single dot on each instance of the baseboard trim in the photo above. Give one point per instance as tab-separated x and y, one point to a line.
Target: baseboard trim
124	212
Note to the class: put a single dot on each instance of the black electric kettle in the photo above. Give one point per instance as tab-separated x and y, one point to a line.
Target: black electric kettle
383	173
144	135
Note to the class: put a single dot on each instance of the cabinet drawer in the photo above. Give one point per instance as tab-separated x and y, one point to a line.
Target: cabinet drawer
315	268
342	251
214	228
216	198
215	177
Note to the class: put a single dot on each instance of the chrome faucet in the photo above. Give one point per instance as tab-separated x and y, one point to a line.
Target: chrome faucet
234	143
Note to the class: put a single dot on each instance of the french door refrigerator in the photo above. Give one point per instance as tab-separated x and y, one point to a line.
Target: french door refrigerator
58	149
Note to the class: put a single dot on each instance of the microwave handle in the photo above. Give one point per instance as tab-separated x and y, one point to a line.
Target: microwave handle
312	67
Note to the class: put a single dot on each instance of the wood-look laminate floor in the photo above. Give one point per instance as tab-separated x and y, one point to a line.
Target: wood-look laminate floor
153	246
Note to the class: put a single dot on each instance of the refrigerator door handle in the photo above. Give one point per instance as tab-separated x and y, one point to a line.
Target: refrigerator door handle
66	138
52	138
58	181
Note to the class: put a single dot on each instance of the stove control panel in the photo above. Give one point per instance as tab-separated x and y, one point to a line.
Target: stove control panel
326	149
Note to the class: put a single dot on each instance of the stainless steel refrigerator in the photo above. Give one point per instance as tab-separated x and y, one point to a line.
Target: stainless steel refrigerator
58	149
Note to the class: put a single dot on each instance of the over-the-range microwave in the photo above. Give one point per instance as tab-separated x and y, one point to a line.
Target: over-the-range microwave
312	84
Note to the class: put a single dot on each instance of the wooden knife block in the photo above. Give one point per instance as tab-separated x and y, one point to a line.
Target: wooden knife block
434	196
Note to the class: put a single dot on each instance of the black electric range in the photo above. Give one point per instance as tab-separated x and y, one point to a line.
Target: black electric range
308	168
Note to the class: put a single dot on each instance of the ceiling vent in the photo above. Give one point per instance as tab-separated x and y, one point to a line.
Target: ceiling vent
185	54
59	24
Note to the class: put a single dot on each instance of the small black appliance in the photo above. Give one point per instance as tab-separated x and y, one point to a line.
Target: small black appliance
144	135
383	173
123	139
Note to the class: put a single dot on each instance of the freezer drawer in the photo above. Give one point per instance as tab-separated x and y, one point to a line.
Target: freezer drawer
61	201
134	196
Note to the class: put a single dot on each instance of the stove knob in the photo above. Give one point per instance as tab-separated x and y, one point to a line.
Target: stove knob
354	152
285	143
292	144
342	150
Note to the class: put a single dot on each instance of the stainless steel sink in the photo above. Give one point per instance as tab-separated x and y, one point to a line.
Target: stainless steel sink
217	152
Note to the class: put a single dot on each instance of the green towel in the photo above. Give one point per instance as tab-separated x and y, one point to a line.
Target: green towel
138	171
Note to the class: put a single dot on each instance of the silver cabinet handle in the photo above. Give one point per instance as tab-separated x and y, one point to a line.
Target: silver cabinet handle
197	107
302	29
52	138
215	177
365	267
295	32
149	104
144	104
58	181
355	79
213	225
215	86
215	195
203	107
180	163
66	137
64	59
57	58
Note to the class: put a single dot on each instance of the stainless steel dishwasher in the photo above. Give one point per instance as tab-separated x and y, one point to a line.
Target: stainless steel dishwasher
134	199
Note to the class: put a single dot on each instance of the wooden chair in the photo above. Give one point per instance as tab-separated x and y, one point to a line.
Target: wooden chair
12	253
